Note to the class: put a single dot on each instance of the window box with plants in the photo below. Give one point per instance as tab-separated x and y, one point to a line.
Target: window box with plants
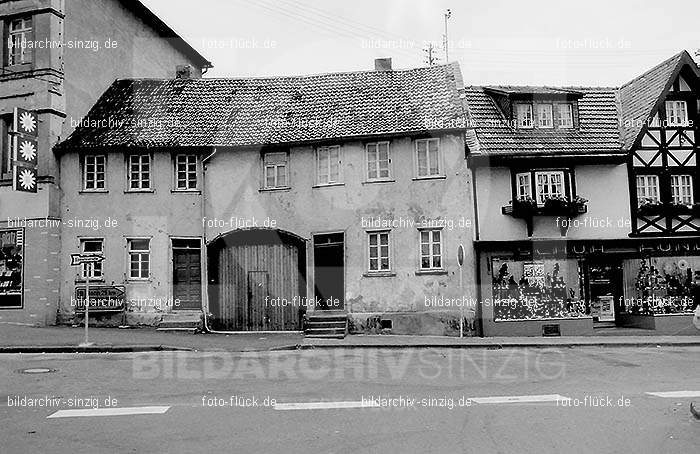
562	206
524	207
689	209
650	207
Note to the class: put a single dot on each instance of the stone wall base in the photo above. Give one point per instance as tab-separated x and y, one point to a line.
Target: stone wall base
431	323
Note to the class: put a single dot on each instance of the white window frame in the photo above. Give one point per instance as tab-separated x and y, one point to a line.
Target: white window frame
428	154
678	189
523	180
565	111
645	184
22	35
141	252
379	257
540	197
372	151
549	116
96	180
674	112
273	164
431	255
96	268
141	187
327	172
525	121
187	174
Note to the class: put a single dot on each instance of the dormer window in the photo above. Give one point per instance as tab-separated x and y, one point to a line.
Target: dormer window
544	116
566	115
524	113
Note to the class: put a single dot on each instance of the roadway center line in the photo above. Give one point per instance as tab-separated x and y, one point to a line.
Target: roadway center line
676	394
324	405
109	412
519	399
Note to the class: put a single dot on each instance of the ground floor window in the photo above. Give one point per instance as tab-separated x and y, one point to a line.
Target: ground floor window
537	290
378	253
430	249
661	285
139	258
94	246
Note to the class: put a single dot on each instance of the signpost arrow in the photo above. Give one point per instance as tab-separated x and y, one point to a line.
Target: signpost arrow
77	260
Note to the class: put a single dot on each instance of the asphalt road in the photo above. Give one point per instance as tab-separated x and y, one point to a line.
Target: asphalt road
584	400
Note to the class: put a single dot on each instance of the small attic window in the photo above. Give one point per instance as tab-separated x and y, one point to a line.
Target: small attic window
524	115
566	115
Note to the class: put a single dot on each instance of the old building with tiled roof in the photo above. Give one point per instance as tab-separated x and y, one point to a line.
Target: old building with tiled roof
341	197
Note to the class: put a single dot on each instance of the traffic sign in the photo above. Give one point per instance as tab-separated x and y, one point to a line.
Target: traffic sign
460	255
79	259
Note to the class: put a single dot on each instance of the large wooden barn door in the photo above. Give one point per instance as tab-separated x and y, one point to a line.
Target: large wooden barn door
257	304
256	283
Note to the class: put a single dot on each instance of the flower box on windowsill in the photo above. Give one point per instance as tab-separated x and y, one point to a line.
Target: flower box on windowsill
527	208
685	209
651	209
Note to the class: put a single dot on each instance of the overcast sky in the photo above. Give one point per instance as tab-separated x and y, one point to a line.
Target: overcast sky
562	42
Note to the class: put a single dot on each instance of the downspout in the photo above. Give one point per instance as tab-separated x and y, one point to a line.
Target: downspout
479	293
205	255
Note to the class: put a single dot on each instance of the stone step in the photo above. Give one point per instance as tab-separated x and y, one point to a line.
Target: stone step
330	325
181	321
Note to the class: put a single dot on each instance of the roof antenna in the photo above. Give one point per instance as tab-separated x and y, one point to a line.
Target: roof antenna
445	39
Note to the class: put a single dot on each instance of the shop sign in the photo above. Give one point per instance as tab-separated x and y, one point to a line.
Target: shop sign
25	150
11	268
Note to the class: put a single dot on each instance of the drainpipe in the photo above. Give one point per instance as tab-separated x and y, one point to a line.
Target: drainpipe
205	255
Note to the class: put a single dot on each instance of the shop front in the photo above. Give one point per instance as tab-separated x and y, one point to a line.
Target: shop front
11	268
560	287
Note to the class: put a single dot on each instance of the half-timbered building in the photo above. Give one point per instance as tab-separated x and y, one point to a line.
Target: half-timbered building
586	204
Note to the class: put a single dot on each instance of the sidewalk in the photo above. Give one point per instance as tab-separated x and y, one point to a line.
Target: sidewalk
29	339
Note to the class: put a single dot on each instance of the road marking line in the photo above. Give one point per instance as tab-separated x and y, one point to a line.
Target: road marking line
324	405
109	412
519	399
676	394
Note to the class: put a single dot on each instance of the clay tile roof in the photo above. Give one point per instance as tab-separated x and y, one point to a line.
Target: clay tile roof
530	90
275	110
493	134
638	98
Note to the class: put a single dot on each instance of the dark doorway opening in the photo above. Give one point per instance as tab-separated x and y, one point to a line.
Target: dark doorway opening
605	288
329	271
187	274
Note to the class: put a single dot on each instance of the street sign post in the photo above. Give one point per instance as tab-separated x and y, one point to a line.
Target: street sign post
460	262
90	260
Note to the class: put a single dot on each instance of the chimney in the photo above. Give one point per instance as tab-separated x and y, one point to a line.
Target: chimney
183	72
382	64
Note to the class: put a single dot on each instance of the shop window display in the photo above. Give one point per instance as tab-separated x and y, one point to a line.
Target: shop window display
661	285
11	268
537	290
